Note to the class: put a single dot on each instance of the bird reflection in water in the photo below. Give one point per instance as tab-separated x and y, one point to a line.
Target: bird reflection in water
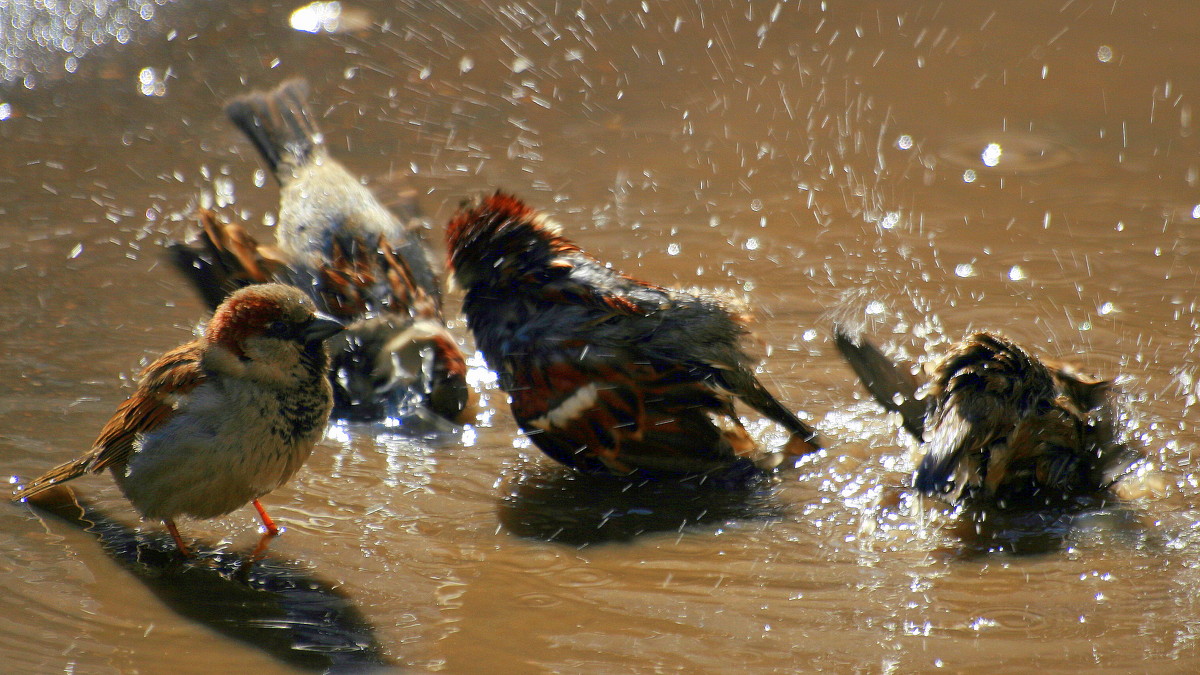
553	503
984	530
270	604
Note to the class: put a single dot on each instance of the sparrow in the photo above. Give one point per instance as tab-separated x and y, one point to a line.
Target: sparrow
998	424
222	420
605	373
359	262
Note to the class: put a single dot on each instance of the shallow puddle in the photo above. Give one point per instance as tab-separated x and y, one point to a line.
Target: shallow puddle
931	167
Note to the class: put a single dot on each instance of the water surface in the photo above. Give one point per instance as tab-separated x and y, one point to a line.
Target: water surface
1022	166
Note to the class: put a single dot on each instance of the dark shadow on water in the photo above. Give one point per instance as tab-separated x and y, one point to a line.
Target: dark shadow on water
269	604
556	504
986	530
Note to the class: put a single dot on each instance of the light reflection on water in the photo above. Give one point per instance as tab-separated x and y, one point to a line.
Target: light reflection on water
811	156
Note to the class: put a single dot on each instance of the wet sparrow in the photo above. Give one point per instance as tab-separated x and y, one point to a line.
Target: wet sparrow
606	373
358	261
222	420
997	423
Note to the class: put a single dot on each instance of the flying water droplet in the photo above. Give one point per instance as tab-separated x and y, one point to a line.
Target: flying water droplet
991	154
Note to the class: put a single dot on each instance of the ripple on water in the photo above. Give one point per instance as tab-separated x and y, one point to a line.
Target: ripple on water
582	577
1013	619
1007	152
538	600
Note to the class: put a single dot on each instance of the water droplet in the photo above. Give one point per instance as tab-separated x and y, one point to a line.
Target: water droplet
969	176
6	112
964	270
890	220
905	142
1015	273
1104	54
752	244
809	335
756	205
673	248
150	84
1107	308
1195	209
875	308
465	64
317	17
521	64
991	154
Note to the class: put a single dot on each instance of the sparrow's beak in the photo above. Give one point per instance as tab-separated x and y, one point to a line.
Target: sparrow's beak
321	328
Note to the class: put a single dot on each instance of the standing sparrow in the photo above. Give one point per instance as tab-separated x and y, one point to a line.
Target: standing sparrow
222	420
359	262
606	373
997	423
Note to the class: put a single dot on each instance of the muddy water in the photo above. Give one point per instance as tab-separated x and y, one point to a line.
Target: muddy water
1026	166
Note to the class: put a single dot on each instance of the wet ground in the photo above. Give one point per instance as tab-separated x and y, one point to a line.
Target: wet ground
1024	166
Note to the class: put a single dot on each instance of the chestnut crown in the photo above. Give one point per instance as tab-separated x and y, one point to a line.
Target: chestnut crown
499	237
268	310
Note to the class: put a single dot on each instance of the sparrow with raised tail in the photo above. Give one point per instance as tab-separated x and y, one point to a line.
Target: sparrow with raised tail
222	420
358	260
997	423
605	373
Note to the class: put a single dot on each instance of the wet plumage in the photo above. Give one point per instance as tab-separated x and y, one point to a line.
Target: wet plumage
220	421
997	423
606	373
358	260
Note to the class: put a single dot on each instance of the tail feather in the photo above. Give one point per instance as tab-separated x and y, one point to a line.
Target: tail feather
59	474
279	124
804	439
893	387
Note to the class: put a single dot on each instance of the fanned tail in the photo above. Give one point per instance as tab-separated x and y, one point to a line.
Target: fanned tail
279	124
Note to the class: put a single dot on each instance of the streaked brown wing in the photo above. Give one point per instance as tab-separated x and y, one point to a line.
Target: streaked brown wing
347	278
618	415
173	375
362	277
225	258
406	294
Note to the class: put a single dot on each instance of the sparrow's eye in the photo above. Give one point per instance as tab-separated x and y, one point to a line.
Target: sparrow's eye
277	329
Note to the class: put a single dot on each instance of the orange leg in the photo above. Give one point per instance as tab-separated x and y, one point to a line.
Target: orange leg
178	539
267	522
